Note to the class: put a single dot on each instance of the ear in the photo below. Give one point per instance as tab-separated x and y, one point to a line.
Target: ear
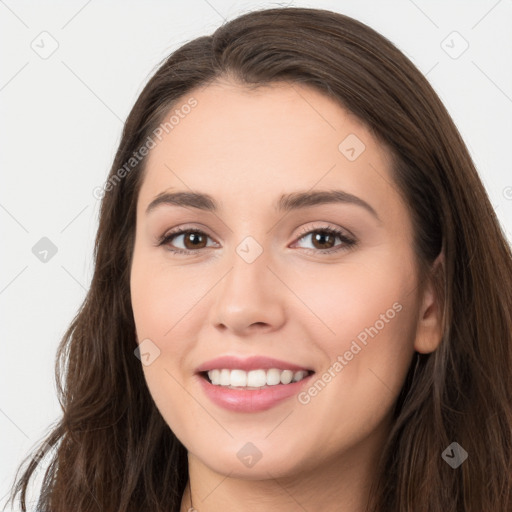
429	330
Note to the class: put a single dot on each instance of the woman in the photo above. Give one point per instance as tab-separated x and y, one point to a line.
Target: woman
296	246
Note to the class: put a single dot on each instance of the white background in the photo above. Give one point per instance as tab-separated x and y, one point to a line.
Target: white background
61	120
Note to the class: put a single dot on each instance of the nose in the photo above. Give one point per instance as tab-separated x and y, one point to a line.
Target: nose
249	299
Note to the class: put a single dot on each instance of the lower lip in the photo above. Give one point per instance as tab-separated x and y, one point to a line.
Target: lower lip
255	400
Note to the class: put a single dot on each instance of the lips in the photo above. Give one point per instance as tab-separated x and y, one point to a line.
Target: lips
248	364
233	389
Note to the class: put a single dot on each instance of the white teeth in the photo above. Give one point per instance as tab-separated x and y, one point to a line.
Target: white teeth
225	379
254	378
299	376
286	377
273	377
238	378
214	376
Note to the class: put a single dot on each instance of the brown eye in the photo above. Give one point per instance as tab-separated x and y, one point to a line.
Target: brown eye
326	240
185	241
323	240
194	240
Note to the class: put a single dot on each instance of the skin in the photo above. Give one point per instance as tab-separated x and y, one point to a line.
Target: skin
294	302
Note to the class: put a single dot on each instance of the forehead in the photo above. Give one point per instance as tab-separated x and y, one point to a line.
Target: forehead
274	138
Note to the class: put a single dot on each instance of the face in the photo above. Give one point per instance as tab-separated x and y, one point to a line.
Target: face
276	277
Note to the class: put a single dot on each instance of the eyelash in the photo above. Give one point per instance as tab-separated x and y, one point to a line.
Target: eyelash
347	242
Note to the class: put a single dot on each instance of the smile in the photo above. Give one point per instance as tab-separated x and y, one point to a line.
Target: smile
254	379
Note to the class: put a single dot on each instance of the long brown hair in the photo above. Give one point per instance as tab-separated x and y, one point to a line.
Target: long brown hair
112	451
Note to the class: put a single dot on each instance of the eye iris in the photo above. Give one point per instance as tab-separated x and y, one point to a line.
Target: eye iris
194	238
320	237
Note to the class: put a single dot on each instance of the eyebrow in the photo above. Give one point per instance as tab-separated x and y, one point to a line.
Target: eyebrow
286	203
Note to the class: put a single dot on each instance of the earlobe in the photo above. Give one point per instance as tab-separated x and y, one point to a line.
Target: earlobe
429	330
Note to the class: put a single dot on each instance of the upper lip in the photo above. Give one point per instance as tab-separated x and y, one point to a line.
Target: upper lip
247	364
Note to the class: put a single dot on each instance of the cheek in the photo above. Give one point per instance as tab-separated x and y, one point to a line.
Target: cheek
161	301
168	307
360	300
161	297
364	324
